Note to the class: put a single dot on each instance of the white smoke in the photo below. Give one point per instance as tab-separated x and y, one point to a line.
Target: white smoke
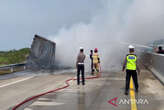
134	21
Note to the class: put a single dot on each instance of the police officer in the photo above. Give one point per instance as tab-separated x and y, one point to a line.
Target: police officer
80	66
130	64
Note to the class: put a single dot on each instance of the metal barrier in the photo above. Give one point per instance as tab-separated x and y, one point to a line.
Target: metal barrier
12	68
155	62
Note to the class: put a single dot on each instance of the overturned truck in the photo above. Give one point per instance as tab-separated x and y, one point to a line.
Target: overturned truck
42	54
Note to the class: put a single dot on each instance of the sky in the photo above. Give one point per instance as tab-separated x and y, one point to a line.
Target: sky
105	24
20	20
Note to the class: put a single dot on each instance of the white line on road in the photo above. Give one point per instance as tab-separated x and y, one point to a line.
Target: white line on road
46	104
16	82
27	109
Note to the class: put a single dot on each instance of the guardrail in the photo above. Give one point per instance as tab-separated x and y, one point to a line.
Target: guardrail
12	68
155	63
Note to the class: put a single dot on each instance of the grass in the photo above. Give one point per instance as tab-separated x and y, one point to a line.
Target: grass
13	56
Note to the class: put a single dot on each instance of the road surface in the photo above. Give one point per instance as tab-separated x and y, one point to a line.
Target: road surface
95	95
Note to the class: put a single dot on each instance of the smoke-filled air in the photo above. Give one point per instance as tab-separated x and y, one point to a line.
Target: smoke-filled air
117	23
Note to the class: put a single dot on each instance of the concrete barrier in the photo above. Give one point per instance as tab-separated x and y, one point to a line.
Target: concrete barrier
155	62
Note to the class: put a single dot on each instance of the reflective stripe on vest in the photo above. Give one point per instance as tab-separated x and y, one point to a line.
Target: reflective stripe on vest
95	58
131	62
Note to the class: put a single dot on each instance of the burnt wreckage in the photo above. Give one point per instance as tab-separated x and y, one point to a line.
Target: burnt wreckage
42	54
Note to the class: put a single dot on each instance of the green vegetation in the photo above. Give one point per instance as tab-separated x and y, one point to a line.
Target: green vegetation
13	56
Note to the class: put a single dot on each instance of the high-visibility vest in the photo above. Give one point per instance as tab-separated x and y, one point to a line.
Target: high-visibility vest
131	62
95	57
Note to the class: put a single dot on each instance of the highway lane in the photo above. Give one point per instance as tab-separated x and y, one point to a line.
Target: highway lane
14	90
95	95
97	92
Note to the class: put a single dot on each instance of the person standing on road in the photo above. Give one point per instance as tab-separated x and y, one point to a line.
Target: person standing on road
160	50
80	66
91	54
131	65
96	61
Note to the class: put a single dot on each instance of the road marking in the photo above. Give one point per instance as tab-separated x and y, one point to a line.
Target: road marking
115	78
46	104
44	99
16	82
132	96
27	109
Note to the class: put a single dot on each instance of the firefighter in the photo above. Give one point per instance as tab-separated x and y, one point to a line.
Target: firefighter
96	61
80	66
131	66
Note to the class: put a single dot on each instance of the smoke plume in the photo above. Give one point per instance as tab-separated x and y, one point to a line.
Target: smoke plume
134	21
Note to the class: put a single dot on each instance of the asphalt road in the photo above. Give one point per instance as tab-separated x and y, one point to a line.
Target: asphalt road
93	96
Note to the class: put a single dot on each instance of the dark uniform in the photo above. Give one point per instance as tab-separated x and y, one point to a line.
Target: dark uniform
160	50
130	64
91	54
80	68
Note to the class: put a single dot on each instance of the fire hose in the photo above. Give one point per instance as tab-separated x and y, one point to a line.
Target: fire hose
42	94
